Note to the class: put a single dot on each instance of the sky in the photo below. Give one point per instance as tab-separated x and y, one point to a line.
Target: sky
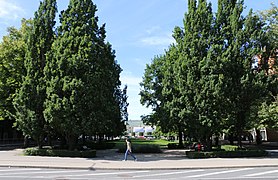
138	30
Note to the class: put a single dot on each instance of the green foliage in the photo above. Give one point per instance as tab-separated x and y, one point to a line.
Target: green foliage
268	114
59	153
12	53
83	95
199	155
226	154
62	82
137	142
151	93
271	18
29	99
205	84
229	147
175	146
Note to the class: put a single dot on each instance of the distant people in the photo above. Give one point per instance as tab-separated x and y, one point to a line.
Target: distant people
199	147
128	150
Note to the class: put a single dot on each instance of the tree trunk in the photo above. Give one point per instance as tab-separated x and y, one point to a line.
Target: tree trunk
180	138
208	144
239	139
40	142
71	141
258	137
26	142
63	142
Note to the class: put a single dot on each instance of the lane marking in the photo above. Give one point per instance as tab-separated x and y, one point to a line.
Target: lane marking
170	173
43	172
19	169
262	173
102	174
221	172
233	178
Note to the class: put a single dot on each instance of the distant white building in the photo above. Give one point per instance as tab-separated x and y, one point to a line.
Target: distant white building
137	128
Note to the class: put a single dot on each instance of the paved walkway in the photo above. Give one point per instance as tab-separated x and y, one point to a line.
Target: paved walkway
110	159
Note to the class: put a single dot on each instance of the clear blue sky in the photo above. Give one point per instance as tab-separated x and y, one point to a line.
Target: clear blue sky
137	29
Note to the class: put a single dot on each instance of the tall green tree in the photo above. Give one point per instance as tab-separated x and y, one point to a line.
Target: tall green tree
267	112
270	16
197	79
242	38
208	84
29	100
151	93
12	54
82	76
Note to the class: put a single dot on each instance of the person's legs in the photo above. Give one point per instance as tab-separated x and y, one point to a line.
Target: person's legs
134	157
126	153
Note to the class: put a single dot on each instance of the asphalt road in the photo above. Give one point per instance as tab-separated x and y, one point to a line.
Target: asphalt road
258	173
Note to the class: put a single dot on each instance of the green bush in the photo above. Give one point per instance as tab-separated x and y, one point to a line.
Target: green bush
226	154
59	153
241	153
229	148
174	146
142	148
199	155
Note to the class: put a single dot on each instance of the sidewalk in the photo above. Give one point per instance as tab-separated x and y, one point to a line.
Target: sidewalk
109	159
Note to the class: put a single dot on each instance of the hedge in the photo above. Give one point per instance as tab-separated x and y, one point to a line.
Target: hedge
175	146
59	153
226	154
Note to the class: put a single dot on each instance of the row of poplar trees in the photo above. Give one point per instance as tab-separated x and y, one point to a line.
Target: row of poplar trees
67	79
207	83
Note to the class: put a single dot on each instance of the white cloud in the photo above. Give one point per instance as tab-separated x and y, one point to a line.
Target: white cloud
10	11
153	29
158	40
130	80
140	62
156	36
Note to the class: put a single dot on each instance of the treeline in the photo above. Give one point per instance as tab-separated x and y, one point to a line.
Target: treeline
61	82
214	78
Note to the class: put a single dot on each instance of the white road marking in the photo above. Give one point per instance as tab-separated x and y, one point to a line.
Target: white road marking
19	169
261	173
220	172
170	173
103	174
233	178
26	177
42	172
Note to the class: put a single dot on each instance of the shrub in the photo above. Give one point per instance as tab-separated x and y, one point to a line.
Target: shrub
226	154
147	148
59	153
229	147
174	146
199	155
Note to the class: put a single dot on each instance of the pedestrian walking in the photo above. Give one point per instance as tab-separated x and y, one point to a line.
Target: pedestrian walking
129	150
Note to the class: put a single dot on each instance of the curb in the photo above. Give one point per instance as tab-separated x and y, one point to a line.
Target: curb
125	168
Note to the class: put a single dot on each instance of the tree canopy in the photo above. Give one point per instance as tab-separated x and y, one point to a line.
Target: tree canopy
64	82
29	100
207	85
12	54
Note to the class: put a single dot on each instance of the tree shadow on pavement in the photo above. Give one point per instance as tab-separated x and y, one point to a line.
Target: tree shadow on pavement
113	155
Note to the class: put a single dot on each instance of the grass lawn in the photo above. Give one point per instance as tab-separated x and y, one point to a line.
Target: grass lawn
161	142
